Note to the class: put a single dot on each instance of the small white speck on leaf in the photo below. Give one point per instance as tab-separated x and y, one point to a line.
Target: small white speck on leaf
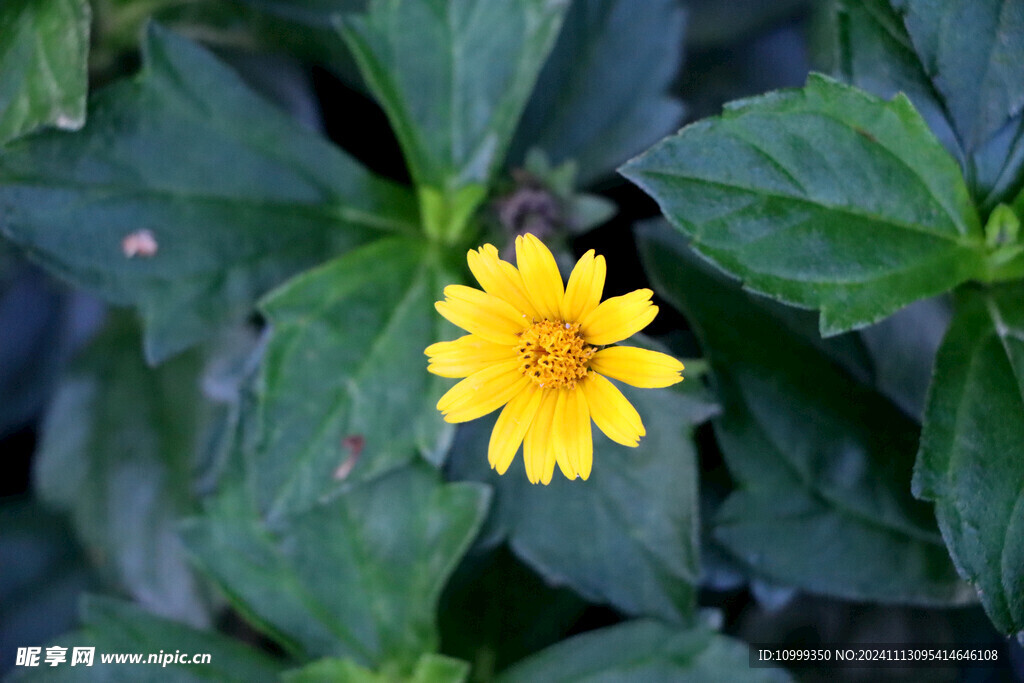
140	243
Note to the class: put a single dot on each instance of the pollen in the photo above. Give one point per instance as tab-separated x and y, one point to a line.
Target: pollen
554	354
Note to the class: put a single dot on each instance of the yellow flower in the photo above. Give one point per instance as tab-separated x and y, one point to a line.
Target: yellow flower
536	347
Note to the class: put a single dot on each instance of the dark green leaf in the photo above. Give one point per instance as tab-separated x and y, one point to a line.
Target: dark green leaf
824	197
453	77
345	393
115	627
628	535
356	577
603	93
874	51
822	462
971	461
232	196
973	50
643	651
117	453
44	45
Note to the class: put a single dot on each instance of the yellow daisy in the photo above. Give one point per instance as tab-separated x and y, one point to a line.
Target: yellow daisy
539	348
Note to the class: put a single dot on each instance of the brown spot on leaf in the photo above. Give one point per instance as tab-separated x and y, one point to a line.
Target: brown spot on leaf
354	444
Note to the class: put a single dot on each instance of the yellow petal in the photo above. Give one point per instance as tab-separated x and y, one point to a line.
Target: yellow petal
612	412
639	367
618	318
572	418
483	392
586	283
511	427
537	451
540	276
466	355
482	314
500	278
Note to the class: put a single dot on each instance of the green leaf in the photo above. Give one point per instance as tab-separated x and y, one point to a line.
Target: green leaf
116	452
344	381
603	93
628	536
356	577
643	651
115	627
44	45
973	51
429	669
821	461
874	51
453	77
971	461
232	195
823	197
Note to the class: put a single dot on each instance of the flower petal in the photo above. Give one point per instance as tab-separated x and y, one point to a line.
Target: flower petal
466	355
511	427
618	318
500	278
540	276
482	314
572	419
612	412
483	392
586	283
538	455
639	367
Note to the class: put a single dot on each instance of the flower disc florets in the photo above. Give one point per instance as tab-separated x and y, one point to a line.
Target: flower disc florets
554	354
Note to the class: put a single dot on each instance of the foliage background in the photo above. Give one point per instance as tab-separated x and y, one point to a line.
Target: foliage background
170	463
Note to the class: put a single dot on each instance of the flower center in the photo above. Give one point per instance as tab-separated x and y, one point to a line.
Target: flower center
554	354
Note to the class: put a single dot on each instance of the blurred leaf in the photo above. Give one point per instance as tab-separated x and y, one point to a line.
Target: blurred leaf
821	461
44	573
971	461
823	197
973	50
116	452
221	194
113	627
941	71
602	96
628	536
44	45
356	577
344	381
453	77
429	669
643	651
